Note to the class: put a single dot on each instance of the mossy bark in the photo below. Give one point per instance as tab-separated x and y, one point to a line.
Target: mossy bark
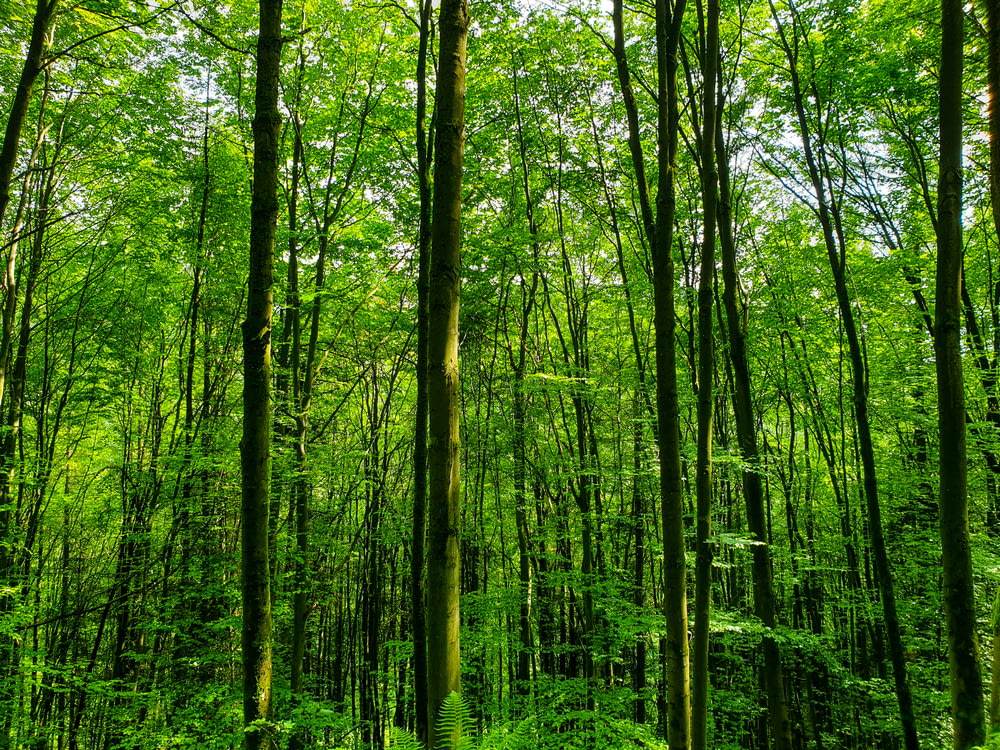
256	440
444	514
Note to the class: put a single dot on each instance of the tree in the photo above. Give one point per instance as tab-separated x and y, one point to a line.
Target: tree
668	27
443	556
968	720
33	61
816	152
255	446
706	378
423	174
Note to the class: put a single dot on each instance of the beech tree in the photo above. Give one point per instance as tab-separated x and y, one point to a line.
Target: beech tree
959	599
444	509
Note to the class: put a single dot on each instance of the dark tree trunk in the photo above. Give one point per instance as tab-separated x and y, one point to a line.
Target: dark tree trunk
44	10
255	444
761	571
668	415
993	461
706	376
968	721
518	362
417	610
676	704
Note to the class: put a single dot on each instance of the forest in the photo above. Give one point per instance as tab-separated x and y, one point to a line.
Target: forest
549	374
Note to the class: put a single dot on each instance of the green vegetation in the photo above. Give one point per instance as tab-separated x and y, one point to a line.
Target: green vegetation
709	340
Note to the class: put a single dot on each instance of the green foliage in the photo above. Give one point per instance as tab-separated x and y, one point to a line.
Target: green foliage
403	740
550	730
120	611
992	743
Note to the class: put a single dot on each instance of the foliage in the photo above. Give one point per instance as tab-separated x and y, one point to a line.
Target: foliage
120	611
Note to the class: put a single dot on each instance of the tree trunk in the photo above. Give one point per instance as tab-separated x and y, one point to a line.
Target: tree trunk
288	389
444	517
255	444
668	415
658	231
993	57
706	376
44	10
761	571
968	722
518	362
417	610
829	217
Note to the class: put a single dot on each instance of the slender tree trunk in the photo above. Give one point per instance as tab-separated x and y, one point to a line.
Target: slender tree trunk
833	237
444	517
761	571
255	445
372	590
417	610
518	361
993	57
40	26
288	389
706	376
676	718
668	413
968	721
523	670
188	538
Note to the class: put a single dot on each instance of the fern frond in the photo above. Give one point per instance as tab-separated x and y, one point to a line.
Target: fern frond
400	740
454	724
519	735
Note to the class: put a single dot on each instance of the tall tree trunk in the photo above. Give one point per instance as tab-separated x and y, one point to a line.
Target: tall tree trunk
255	446
518	363
668	414
828	211
993	57
417	611
372	589
288	389
761	572
706	376
968	722
444	516
676	718
658	231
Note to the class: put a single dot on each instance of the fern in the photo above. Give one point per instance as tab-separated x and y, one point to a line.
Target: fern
454	724
401	740
519	735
